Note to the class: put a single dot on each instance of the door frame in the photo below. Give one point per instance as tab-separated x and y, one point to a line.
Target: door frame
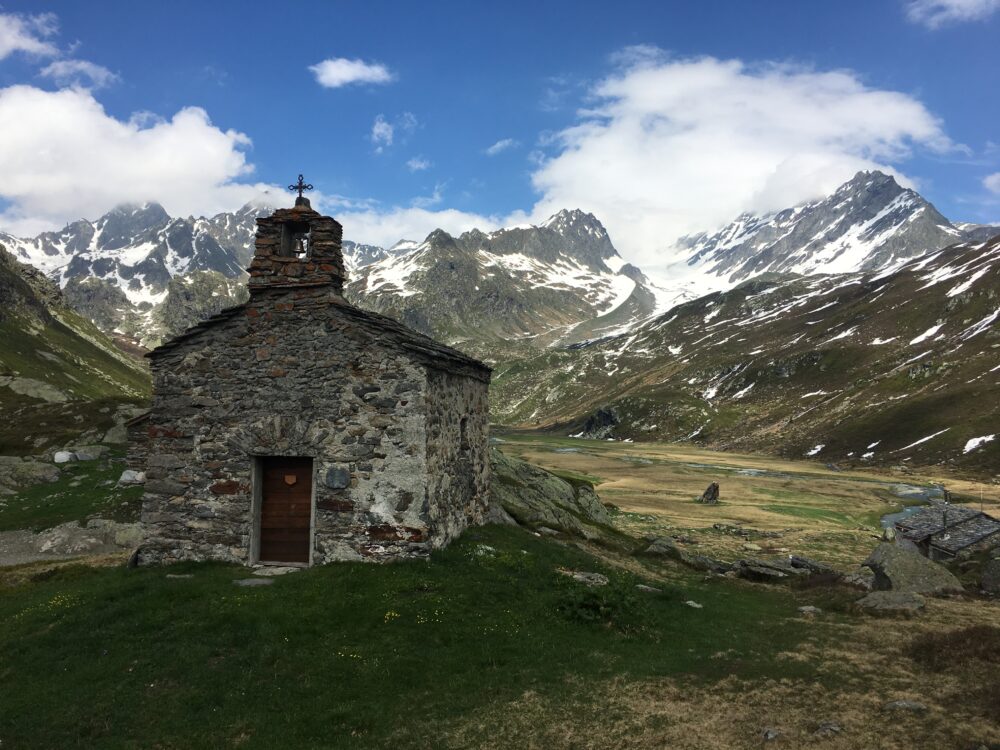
257	503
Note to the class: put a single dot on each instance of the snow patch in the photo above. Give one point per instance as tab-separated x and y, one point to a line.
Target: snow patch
976	442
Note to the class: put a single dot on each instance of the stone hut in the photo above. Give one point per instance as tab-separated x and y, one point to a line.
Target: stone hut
299	429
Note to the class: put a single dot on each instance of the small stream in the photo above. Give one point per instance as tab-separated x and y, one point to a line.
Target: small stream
925	496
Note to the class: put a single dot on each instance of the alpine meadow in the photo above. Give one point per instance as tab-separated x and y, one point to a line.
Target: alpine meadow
481	376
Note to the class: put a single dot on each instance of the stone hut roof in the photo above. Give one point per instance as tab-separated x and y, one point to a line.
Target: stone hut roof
424	347
965	527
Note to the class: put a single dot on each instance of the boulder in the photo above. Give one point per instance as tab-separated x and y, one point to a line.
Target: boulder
131	477
862	578
69	539
124	535
774	570
586	578
905	706
534	497
711	494
813	566
116	435
63	457
989	578
89	452
891	603
904	570
664	547
16	473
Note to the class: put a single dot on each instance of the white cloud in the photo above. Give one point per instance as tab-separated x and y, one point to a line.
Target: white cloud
683	145
992	183
418	164
434	199
339	71
382	133
386	227
79	73
28	34
63	157
937	13
502	145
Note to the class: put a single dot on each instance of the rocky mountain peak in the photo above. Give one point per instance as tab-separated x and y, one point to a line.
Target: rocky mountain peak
869	223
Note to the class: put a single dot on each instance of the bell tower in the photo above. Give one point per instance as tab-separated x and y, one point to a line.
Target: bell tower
297	247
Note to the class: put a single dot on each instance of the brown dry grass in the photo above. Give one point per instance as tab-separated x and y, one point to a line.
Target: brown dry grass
35	571
863	664
826	514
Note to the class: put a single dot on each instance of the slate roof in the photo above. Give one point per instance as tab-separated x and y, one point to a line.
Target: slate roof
423	346
965	527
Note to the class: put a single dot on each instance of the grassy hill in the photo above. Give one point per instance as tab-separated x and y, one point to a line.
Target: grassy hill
485	645
59	375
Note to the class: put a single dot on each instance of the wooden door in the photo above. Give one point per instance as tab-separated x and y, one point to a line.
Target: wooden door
285	509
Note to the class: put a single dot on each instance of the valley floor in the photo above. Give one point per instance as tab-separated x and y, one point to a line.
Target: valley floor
819	511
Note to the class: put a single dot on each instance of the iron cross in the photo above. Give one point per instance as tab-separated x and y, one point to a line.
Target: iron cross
301	186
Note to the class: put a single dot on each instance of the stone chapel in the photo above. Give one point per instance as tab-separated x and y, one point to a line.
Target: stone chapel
298	429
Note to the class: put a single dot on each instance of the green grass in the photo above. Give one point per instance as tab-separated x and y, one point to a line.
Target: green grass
71	355
84	489
812	514
355	655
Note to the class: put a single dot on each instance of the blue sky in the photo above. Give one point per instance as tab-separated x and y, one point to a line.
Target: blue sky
662	118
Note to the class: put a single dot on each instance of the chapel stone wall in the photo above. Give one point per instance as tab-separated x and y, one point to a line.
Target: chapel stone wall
289	374
457	452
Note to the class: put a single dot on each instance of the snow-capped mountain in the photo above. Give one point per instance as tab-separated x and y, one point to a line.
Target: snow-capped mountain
869	223
140	272
528	285
872	368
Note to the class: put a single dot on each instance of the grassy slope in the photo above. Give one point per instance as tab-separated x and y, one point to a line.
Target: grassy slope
84	490
82	363
352	655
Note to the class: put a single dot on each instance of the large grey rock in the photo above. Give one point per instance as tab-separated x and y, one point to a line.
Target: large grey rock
131	477
905	706
36	389
664	547
989	579
534	497
586	577
63	457
70	539
117	435
89	452
711	495
904	570
891	603
17	473
124	535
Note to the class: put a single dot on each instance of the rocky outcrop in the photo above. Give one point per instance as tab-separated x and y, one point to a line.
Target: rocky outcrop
902	570
711	495
989	578
891	603
668	548
534	497
601	424
17	472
